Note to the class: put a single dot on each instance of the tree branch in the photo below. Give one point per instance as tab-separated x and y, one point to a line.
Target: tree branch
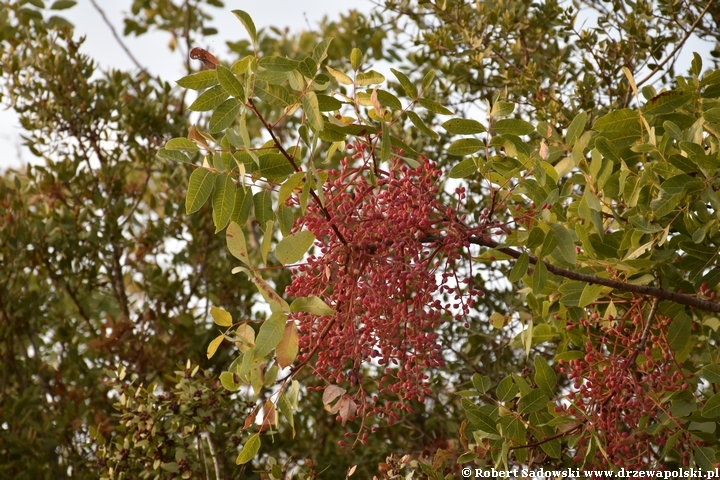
659	293
211	447
117	37
678	46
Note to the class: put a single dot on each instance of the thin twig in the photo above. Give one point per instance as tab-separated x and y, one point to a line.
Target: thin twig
547	439
117	37
678	46
295	166
646	330
213	454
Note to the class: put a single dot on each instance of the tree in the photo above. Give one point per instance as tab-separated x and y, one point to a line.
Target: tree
555	309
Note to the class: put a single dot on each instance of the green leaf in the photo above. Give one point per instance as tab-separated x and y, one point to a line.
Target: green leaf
276	95
679	184
181	143
224	115
278	64
320	51
174	155
387	99
250	449
63	4
462	126
287	350
339	76
534	401
227	380
705	457
545	377
289	186
221	317
223	201
565	244
665	203
571	293
243	205
465	146
285	408
711	373
262	201
313	305
667	102
200	188
247	23
236	243
270	334
244	65
589	295
712	407
356	58
199	80
623	120
267	292
407	85
209	99
712	115
506	389
327	103
513	126
312	111
478	420
502	109
212	348
434	106
246	363
385	143
481	383
549	244
417	121
539	277
274	167
292	248
308	67
371	77
267	239
520	268
679	333
607	149
576	128
464	169
230	83
427	81
285	217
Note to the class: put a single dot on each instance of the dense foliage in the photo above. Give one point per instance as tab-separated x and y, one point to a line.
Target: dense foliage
505	256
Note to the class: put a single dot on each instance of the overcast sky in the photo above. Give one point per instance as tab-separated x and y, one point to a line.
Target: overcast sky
151	49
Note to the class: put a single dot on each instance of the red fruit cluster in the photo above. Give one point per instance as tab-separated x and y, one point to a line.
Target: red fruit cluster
382	277
621	393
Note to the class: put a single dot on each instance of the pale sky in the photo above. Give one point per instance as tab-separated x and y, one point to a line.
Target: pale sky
151	49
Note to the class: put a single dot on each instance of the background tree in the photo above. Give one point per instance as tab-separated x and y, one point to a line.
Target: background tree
606	214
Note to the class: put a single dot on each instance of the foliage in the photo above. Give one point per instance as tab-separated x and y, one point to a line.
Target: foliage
532	283
157	429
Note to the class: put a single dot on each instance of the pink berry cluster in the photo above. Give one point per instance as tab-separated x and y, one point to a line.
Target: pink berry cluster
622	389
385	276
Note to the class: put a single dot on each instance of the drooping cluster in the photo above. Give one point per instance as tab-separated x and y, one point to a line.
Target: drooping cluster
622	393
383	276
